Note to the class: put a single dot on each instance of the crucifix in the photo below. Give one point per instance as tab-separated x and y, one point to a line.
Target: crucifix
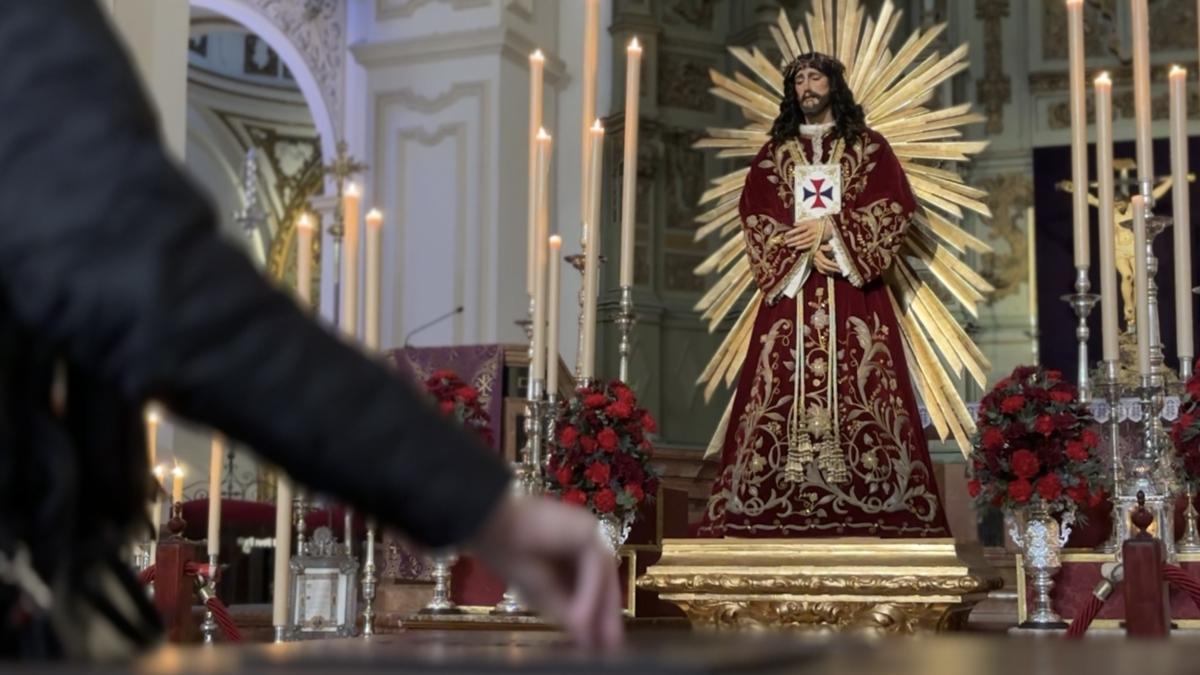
341	169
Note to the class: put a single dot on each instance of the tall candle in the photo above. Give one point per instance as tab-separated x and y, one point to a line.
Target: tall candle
177	484
591	46
1141	290
349	306
1183	215
1107	215
304	259
537	63
1031	244
1141	89
633	69
216	457
591	276
156	514
373	287
1079	176
152	434
553	310
539	306
283	550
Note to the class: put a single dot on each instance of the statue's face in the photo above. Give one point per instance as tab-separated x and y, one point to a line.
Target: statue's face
812	91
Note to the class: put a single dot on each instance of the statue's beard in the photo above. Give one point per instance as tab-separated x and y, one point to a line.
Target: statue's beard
814	106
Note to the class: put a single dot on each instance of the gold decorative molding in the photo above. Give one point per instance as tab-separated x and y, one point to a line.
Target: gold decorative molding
1058	115
885	618
857	583
995	87
1122	76
1009	195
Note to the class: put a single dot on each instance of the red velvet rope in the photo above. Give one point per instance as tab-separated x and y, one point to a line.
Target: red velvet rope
219	611
1081	623
1183	581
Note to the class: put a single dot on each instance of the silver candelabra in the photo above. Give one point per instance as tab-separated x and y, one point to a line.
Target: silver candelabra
1082	302
625	322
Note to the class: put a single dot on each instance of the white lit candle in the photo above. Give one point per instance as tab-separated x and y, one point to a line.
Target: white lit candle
591	270
349	306
539	306
1031	244
283	550
177	483
1141	89
1141	290
629	178
553	310
152	434
591	47
304	259
1107	216
216	457
1079	124
537	63
1182	214
373	279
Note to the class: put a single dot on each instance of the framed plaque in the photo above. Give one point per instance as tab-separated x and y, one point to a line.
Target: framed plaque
324	593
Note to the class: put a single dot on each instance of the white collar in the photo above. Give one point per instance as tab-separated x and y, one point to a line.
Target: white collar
815	130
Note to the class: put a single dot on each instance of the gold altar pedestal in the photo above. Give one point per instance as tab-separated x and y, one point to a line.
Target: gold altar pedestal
901	586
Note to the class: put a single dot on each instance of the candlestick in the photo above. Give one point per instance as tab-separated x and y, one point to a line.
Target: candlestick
629	178
537	62
591	47
625	321
1182	214
216	457
160	474
152	419
1141	97
539	305
177	484
350	236
283	555
1082	302
555	244
1141	290
1031	244
304	259
373	281
591	274
1079	176
1107	216
370	580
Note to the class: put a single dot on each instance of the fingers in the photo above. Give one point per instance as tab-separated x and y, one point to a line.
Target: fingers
824	262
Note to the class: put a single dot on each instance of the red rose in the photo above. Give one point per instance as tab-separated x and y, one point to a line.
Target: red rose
587	443
1061	396
1077	451
1053	375
974	488
598	473
564	475
624	394
607	438
618	410
467	394
605	501
1012	404
636	492
447	407
1025	464
1044	425
1050	487
1090	438
444	374
1015	430
576	497
992	438
1193	387
568	436
1078	494
648	423
595	400
1020	490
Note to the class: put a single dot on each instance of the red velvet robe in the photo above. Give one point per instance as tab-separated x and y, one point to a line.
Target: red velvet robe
865	470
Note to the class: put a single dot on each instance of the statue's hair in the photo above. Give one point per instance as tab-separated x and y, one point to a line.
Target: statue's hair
848	118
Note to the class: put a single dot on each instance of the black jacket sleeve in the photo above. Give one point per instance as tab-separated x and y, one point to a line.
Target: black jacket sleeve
109	254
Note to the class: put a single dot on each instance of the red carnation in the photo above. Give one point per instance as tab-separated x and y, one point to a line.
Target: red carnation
564	475
447	407
1077	451
567	437
1012	404
1050	487
595	400
1078	494
598	473
635	491
974	487
467	394
605	501
992	438
1090	438
1193	387
1061	396
1020	490
624	394
587	443
607	438
1044	425
576	497
648	423
1025	464
618	410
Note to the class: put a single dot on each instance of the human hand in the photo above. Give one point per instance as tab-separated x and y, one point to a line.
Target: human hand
553	555
824	261
804	233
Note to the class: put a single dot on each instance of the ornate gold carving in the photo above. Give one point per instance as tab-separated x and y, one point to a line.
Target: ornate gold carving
857	584
1058	115
995	87
1008	196
886	618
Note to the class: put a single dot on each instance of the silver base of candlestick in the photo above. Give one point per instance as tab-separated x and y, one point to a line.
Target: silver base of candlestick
1149	472
280	634
370	580
524	484
1186	369
1155	225
625	321
348	531
208	588
1083	303
441	602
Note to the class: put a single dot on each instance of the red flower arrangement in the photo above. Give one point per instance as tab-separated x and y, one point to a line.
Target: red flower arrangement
1185	433
460	401
1034	442
601	457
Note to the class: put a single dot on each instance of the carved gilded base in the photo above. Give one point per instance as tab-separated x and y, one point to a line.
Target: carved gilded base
902	586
